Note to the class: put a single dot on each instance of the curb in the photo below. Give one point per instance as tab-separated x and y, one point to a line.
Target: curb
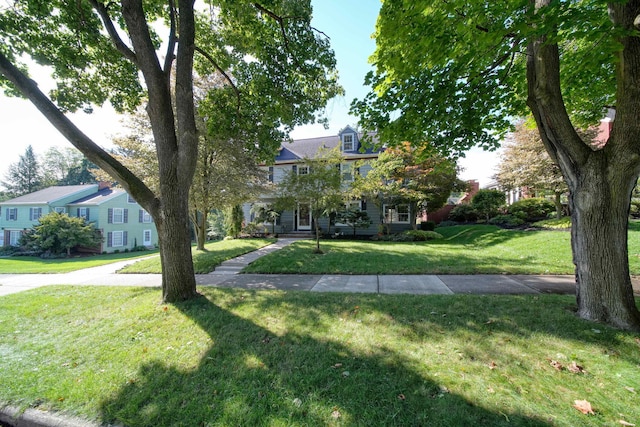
13	417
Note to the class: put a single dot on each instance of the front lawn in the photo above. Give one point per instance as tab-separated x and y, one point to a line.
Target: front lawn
32	265
270	358
476	249
204	261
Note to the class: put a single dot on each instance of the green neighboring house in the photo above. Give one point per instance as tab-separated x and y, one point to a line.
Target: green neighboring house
122	222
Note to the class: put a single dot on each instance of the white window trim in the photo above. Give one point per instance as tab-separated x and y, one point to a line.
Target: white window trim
115	214
146	242
395	215
12	214
13	241
35	214
146	217
60	209
113	239
83	213
352	143
304	168
130	199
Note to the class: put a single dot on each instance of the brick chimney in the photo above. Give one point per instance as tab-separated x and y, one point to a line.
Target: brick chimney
103	184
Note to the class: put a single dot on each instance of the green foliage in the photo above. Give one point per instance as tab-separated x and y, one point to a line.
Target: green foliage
554	224
455	71
233	221
422	235
488	202
427	225
507	221
24	176
531	210
354	218
464	213
57	233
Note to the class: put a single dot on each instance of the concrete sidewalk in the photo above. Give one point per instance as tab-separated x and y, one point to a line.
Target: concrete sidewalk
226	276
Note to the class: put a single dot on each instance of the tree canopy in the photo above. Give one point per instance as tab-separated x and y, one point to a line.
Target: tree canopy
280	72
25	176
456	73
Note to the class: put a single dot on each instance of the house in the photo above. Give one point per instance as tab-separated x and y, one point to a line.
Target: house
122	222
290	158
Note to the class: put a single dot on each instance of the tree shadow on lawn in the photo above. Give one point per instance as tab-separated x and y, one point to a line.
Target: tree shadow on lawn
288	377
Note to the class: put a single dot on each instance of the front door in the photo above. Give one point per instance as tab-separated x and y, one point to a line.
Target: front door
304	217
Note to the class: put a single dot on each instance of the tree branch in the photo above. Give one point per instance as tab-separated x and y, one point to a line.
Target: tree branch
113	33
221	71
77	138
171	45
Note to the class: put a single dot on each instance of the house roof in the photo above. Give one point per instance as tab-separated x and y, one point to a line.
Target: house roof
308	148
49	194
99	197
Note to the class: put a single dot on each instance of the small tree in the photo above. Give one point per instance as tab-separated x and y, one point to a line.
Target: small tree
319	187
488	202
233	221
354	218
58	233
266	213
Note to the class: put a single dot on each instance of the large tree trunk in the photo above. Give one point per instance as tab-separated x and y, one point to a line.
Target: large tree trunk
600	202
600	182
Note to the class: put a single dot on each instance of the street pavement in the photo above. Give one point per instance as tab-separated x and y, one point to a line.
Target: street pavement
228	275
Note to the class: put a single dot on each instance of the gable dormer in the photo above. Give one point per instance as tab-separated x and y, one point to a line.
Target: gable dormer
349	140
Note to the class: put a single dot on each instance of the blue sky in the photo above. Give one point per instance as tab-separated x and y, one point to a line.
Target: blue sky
348	23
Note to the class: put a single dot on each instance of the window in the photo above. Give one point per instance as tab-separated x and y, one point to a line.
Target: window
14	237
396	213
130	199
116	239
347	142
144	216
146	237
118	216
83	213
349	172
60	209
12	214
303	170
35	214
270	173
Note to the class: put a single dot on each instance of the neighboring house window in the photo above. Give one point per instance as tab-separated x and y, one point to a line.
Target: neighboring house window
349	172
303	170
396	213
14	237
60	209
83	213
117	216
130	199
35	213
12	214
143	216
347	142
270	173
116	239
146	237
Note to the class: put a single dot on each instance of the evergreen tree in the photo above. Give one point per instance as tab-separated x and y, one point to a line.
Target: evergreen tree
24	176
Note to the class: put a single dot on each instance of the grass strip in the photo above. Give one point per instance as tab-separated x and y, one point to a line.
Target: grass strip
204	261
270	358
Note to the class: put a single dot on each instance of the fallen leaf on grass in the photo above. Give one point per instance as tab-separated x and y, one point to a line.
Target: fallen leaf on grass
336	414
630	389
556	364
401	396
492	365
583	406
575	368
624	423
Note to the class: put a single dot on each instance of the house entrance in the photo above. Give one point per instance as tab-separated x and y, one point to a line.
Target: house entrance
304	217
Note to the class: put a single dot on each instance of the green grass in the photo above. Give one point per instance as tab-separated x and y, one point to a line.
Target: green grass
270	358
207	260
32	265
478	249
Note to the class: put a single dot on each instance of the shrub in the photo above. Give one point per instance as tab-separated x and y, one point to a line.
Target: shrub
554	224
427	226
488	202
508	221
422	235
532	210
463	213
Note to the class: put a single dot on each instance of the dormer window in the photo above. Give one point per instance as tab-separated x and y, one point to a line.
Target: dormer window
347	142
